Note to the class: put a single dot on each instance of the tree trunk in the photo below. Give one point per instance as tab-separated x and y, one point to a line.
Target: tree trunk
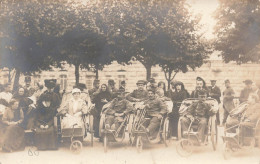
96	73
77	73
148	71
169	79
16	81
9	75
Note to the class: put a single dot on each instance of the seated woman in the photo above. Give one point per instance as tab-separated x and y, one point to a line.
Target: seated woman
12	133
45	132
73	110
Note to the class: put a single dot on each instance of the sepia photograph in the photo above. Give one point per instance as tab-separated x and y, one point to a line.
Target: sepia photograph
130	81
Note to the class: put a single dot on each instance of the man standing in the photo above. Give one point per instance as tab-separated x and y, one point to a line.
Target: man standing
197	112
29	90
112	88
155	110
139	94
214	92
200	85
95	88
122	85
246	91
228	96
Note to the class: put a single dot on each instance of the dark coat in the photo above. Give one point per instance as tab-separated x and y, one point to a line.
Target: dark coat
45	139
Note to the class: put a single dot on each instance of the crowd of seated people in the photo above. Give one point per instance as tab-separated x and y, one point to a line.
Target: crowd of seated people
34	109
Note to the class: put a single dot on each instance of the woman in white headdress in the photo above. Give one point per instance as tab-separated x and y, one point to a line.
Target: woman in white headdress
74	110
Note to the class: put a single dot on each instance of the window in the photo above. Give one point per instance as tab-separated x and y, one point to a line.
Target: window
36	79
63	82
89	81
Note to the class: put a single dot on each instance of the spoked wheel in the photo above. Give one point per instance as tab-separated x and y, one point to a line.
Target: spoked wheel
76	146
101	124
213	134
226	150
139	144
91	120
179	130
166	132
184	147
105	143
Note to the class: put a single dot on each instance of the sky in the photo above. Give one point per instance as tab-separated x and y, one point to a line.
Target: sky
206	9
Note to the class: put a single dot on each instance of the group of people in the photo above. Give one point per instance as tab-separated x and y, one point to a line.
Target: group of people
35	109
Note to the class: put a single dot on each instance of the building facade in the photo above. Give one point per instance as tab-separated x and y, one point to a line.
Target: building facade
132	73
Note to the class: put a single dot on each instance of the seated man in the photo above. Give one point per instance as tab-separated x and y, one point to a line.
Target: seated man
248	121
155	109
139	94
198	112
118	108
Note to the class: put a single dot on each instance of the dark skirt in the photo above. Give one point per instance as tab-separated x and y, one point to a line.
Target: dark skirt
13	138
46	139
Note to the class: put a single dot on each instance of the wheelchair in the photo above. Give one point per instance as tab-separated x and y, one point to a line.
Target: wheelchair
141	137
239	139
76	133
114	135
188	139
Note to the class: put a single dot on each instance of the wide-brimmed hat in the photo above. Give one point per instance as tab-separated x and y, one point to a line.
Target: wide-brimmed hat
76	90
50	83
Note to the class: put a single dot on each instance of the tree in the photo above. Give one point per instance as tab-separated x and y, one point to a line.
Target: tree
23	46
145	30
238	30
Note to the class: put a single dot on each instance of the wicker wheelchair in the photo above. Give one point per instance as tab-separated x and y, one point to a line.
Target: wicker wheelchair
75	134
188	139
238	137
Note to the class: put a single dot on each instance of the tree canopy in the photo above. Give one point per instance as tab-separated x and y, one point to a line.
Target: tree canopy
238	30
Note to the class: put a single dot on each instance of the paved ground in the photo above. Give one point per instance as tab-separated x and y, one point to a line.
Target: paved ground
123	154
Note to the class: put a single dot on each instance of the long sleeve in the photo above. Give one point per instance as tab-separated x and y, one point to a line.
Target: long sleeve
163	107
110	110
130	96
129	107
84	107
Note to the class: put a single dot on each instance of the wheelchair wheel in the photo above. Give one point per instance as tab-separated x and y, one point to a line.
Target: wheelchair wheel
213	134
101	124
179	130
139	144
105	141
130	123
184	147
76	146
226	150
91	120
166	132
